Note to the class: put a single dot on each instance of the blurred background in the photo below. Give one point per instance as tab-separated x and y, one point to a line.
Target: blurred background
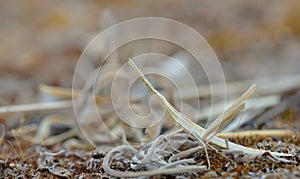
41	41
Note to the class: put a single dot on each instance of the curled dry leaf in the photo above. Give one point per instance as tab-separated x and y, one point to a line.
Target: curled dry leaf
129	149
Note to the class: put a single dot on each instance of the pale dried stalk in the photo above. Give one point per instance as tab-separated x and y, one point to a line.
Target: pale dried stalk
190	127
66	93
53	139
257	133
254	103
185	153
292	100
2	133
36	107
179	162
242	119
60	92
266	86
149	154
44	128
26	129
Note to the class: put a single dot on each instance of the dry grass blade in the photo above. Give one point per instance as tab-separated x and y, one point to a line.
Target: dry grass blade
196	130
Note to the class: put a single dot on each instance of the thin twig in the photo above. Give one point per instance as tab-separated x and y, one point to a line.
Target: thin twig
257	133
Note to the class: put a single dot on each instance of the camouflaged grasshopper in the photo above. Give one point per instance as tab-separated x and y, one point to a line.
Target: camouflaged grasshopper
208	135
